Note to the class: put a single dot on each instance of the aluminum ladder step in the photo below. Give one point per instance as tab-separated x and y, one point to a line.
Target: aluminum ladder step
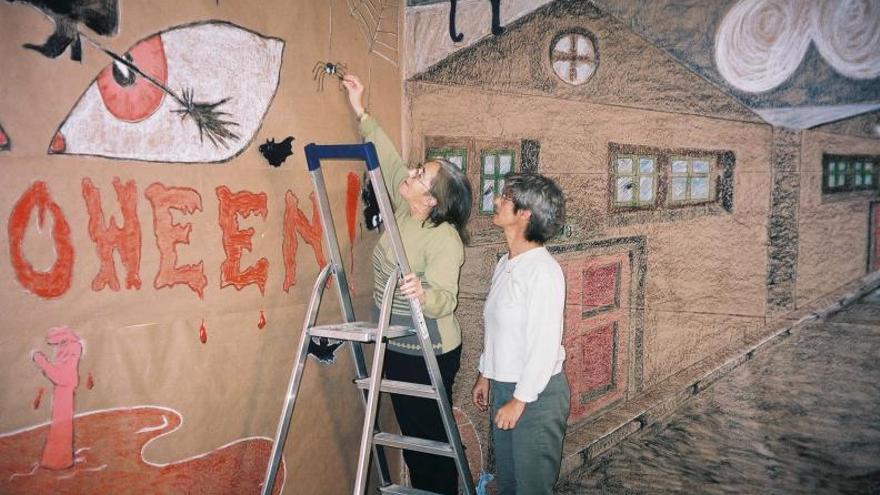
358	331
403	490
400	388
416	444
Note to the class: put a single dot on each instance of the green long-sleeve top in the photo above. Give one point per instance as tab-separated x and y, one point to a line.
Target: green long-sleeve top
435	255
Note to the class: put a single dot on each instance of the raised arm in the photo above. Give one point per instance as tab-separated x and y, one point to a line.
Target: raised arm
394	169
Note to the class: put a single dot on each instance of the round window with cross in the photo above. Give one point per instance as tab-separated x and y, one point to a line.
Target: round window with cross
573	57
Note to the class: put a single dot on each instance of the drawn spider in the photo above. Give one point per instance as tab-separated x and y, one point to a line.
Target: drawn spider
324	69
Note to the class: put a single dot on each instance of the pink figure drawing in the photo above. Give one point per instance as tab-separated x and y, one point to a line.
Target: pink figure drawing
64	375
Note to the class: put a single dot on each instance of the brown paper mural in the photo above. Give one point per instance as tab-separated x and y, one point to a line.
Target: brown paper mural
693	221
161	231
153	306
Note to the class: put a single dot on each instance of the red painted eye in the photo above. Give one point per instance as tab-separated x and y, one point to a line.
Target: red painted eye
128	95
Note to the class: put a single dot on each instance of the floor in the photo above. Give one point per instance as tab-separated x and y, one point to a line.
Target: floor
802	417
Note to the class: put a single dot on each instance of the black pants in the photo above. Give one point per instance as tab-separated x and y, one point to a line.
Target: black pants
420	418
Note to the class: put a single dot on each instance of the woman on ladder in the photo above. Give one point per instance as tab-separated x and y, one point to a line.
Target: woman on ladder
432	204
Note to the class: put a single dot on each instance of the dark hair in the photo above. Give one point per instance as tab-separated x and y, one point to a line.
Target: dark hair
452	190
541	196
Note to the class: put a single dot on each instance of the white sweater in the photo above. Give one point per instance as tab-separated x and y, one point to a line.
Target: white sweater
523	317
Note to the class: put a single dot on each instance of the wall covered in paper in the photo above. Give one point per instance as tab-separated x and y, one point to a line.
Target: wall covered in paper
161	239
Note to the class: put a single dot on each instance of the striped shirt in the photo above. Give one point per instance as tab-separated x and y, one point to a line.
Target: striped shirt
435	255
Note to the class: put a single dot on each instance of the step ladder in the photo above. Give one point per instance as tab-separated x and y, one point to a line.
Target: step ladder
357	333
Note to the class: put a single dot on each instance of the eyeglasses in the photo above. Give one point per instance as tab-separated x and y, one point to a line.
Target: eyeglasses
419	176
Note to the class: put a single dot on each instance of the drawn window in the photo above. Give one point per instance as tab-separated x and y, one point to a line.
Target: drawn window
573	57
690	180
836	175
863	175
635	180
494	165
457	156
849	173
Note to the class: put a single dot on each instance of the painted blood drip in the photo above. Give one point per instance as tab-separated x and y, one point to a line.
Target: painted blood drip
39	398
351	204
261	323
203	333
352	199
90	381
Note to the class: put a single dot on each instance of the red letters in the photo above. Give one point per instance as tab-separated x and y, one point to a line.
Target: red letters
168	234
126	240
123	234
295	221
235	240
57	280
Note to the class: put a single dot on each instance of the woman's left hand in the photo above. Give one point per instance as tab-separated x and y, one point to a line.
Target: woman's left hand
411	288
507	417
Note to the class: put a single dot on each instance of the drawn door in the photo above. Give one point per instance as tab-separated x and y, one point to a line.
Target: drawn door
597	331
874	237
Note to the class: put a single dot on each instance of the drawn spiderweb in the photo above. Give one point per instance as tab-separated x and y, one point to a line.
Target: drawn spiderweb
378	20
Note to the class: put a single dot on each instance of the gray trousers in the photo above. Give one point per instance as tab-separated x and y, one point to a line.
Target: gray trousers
527	458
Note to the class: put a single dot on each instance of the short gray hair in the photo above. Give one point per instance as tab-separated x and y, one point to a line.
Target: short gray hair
541	196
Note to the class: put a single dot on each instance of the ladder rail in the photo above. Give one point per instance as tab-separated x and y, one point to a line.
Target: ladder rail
314	154
448	419
293	384
375	379
332	242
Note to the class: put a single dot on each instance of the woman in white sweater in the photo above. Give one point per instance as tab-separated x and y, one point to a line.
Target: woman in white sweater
521	376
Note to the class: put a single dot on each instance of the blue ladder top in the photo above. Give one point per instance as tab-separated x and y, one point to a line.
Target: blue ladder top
317	152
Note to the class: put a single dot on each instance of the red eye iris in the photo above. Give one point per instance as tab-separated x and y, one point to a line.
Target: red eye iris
129	96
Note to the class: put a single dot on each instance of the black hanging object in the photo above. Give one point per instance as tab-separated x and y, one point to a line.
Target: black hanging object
372	216
496	18
456	36
276	153
323	350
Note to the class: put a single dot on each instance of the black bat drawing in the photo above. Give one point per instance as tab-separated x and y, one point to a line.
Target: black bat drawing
101	16
276	153
323	350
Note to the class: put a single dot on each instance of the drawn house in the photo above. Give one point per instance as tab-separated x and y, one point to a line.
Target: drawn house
142	220
694	225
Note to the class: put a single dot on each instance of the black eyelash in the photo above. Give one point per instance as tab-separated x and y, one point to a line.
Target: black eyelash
207	118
